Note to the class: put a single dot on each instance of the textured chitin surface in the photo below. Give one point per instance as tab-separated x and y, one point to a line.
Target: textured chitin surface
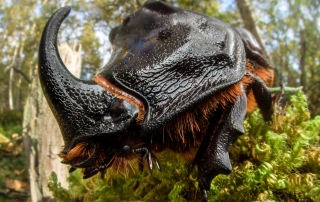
171	58
82	108
176	80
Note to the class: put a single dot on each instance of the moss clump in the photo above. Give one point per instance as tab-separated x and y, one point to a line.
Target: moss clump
276	161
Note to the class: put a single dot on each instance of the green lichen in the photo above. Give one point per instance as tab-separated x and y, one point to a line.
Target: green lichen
278	161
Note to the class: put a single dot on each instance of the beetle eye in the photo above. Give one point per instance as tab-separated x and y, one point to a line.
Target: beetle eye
117	108
121	109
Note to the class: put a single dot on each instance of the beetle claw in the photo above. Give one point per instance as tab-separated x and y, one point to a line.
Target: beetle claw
90	173
94	171
157	162
72	169
150	162
204	193
146	153
204	196
151	157
87	162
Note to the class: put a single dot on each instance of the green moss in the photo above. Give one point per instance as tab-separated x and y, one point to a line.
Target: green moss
57	190
278	161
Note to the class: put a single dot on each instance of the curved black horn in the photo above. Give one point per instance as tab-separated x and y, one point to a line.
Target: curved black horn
80	107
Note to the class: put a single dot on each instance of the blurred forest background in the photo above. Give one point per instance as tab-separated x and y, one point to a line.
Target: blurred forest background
288	30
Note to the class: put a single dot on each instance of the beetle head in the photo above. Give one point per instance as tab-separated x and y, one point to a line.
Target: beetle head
82	109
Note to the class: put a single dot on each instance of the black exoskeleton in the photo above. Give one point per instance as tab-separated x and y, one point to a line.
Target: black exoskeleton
176	80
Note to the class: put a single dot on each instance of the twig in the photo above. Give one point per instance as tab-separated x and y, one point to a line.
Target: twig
22	74
285	89
13	59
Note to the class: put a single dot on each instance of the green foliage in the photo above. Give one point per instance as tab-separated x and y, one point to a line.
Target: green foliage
13	172
276	161
291	33
10	122
57	190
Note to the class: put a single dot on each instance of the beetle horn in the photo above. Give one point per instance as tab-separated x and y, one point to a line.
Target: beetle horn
81	108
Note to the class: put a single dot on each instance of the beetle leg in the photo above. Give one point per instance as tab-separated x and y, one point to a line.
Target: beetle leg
144	151
262	96
72	169
212	157
87	162
90	173
94	171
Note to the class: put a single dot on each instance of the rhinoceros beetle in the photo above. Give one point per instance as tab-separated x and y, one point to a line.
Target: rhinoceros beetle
176	80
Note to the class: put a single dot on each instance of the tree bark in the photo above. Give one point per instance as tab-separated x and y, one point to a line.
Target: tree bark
42	136
249	22
71	56
11	90
10	67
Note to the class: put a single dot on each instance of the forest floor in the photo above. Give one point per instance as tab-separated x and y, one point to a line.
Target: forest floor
14	185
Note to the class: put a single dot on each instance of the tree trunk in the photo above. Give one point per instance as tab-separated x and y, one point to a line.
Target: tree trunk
42	137
10	67
71	57
11	90
249	22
